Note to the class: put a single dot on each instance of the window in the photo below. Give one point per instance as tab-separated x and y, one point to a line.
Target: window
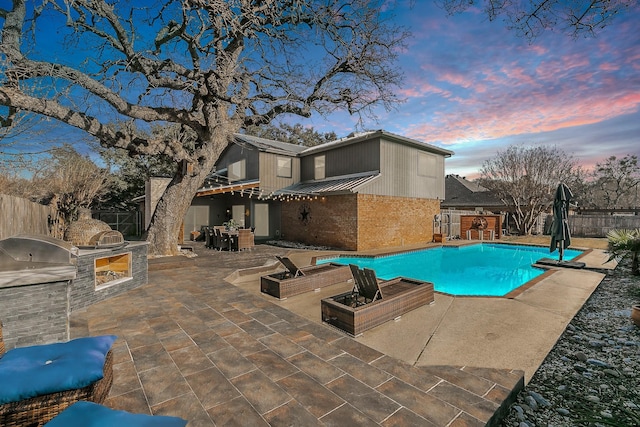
426	164
236	171
284	167
319	172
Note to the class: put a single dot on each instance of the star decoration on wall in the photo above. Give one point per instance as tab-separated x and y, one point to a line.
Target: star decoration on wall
304	213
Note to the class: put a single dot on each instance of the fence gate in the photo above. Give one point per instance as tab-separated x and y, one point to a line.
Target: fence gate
127	223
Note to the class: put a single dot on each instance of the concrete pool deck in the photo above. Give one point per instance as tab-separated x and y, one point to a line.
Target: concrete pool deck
193	345
492	332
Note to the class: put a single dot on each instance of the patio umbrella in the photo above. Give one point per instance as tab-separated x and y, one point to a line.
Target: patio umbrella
560	236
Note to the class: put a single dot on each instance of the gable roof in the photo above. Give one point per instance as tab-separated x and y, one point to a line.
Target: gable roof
460	192
363	136
268	145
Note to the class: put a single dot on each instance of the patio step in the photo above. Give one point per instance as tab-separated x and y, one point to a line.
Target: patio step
170	262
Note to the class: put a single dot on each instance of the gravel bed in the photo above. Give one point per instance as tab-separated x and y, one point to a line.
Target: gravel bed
590	377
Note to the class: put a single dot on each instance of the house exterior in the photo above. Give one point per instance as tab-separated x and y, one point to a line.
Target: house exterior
463	194
370	190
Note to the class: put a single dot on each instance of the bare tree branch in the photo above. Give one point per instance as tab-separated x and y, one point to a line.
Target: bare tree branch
208	67
530	18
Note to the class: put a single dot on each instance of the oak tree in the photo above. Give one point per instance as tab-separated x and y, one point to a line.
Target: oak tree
207	67
525	179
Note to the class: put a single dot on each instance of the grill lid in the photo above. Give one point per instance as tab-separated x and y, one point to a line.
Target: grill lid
38	248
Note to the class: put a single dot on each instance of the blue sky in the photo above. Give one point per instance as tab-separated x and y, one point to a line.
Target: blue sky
475	87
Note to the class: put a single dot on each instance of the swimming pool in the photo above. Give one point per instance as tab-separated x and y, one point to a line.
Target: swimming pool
485	269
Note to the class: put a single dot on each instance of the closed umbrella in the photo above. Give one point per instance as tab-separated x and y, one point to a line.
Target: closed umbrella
560	235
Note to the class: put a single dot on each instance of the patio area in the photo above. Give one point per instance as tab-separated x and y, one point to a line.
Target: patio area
193	345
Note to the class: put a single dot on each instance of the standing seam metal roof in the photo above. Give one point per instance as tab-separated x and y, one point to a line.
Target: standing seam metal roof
335	185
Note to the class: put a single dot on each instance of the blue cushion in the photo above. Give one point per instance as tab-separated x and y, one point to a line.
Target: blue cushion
42	369
88	414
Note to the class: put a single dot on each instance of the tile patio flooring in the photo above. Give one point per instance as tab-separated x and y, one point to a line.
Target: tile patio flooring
194	346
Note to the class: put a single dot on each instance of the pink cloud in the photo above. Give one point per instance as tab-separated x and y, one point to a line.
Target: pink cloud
607	66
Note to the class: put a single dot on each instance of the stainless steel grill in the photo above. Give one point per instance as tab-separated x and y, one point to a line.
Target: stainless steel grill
29	258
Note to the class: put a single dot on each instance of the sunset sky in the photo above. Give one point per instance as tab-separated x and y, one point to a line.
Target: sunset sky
475	87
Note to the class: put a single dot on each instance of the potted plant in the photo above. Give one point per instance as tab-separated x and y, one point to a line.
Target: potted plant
622	244
231	225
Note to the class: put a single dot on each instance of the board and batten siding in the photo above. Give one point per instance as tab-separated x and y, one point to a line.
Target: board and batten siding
269	179
236	153
349	159
399	174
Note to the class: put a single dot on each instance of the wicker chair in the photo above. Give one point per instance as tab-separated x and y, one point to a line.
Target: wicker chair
221	241
373	302
296	280
245	239
37	411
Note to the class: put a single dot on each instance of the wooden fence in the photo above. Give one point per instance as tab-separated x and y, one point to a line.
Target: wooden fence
580	225
450	222
600	225
19	215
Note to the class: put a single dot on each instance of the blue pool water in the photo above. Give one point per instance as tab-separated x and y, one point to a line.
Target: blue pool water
484	269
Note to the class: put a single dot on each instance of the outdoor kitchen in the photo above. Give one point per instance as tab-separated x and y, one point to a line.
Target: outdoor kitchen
44	279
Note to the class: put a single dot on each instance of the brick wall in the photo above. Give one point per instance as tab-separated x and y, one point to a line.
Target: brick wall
386	221
34	314
360	221
332	221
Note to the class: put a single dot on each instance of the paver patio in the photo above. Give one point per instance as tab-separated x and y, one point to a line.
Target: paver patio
195	346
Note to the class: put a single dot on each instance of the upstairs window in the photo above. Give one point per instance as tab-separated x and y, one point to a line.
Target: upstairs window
319	162
283	167
237	171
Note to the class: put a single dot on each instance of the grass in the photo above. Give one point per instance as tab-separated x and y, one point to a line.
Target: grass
576	242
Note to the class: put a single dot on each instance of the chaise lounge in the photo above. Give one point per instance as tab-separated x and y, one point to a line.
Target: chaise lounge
373	302
39	382
295	281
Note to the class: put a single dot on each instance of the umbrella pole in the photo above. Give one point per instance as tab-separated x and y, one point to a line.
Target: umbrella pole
561	249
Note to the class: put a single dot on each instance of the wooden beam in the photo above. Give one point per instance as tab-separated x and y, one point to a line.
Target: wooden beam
228	189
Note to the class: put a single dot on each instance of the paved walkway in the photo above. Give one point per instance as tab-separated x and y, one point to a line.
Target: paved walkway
195	346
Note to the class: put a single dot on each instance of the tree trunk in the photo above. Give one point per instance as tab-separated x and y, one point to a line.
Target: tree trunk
168	217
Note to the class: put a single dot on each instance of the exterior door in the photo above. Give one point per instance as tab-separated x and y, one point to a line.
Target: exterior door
237	213
261	219
196	217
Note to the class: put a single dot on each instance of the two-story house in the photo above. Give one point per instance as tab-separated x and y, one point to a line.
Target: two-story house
370	190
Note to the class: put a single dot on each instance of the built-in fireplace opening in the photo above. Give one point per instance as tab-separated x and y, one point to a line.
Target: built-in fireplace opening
112	270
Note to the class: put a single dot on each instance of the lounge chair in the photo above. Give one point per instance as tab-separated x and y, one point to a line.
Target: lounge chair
38	382
373	302
295	280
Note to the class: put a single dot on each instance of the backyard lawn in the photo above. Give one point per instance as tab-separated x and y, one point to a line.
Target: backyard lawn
576	242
